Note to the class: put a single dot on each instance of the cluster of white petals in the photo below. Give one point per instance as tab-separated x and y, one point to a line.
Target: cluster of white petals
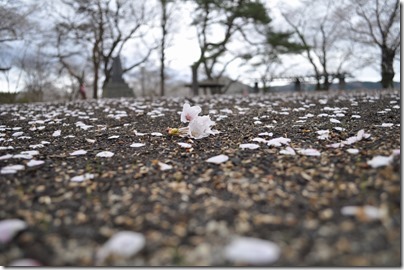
199	126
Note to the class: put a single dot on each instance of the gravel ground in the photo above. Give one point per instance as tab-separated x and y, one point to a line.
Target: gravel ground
189	214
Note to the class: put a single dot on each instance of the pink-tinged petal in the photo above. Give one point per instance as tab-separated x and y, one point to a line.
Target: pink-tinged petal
25	262
218	159
124	244
288	151
189	113
9	228
380	161
252	251
309	152
251	146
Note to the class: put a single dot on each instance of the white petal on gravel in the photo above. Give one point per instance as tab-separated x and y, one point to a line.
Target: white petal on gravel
164	167
251	146
6	157
30	152
252	251
24	262
380	161
266	134
17	134
279	141
81	178
113	137
309	152
57	133
9	228
369	211
105	154
185	145
260	140
288	151
34	146
79	152
385	125
218	159
11	169
90	140
352	151
123	244
139	133
136	145
33	163
333	120
158	134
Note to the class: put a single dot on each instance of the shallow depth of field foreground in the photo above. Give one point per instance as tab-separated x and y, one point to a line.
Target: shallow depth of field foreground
309	179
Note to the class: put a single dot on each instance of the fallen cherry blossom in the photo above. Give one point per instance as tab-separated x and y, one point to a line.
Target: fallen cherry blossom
81	178
9	228
105	154
164	167
113	137
123	244
33	163
57	133
364	212
380	161
136	145
189	113
352	151
11	169
309	152
288	151
277	142
249	146
157	134
218	159
185	145
24	262
252	251
79	152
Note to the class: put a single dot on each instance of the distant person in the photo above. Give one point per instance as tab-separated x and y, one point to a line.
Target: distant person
82	91
255	88
298	85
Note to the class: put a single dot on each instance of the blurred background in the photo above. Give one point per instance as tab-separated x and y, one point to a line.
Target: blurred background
84	49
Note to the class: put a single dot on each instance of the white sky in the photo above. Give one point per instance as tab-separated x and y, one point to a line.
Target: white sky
185	50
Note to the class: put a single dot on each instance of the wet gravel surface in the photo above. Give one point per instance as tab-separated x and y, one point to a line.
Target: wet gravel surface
189	213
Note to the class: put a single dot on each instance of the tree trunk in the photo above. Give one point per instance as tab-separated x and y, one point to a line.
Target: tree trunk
195	85
163	44
387	68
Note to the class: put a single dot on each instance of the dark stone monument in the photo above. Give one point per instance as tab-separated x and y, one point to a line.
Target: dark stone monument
117	87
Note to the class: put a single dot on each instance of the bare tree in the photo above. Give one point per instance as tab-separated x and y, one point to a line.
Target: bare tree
323	37
98	31
376	23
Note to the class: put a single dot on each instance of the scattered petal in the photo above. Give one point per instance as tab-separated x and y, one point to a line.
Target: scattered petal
266	134
279	142
136	145
9	228
164	167
309	152
90	140
380	161
363	212
333	120
11	169
249	146
158	134
81	178
79	152
288	151
123	244
105	154
57	133
260	140
113	137
33	163
24	262
218	159
185	145
352	151
252	251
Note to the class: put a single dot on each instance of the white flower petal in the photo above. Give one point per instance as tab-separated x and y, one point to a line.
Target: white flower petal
9	228
265	134
333	120
288	151
105	154
81	178
352	151
79	152
252	251
189	113
136	145
57	133
113	137
164	167
90	140
123	244
369	211
279	142
309	152
11	169
379	161
249	146
185	145
33	163
7	156
260	140
158	134
24	262
218	159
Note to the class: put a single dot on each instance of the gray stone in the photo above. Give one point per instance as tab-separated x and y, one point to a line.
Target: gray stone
117	87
